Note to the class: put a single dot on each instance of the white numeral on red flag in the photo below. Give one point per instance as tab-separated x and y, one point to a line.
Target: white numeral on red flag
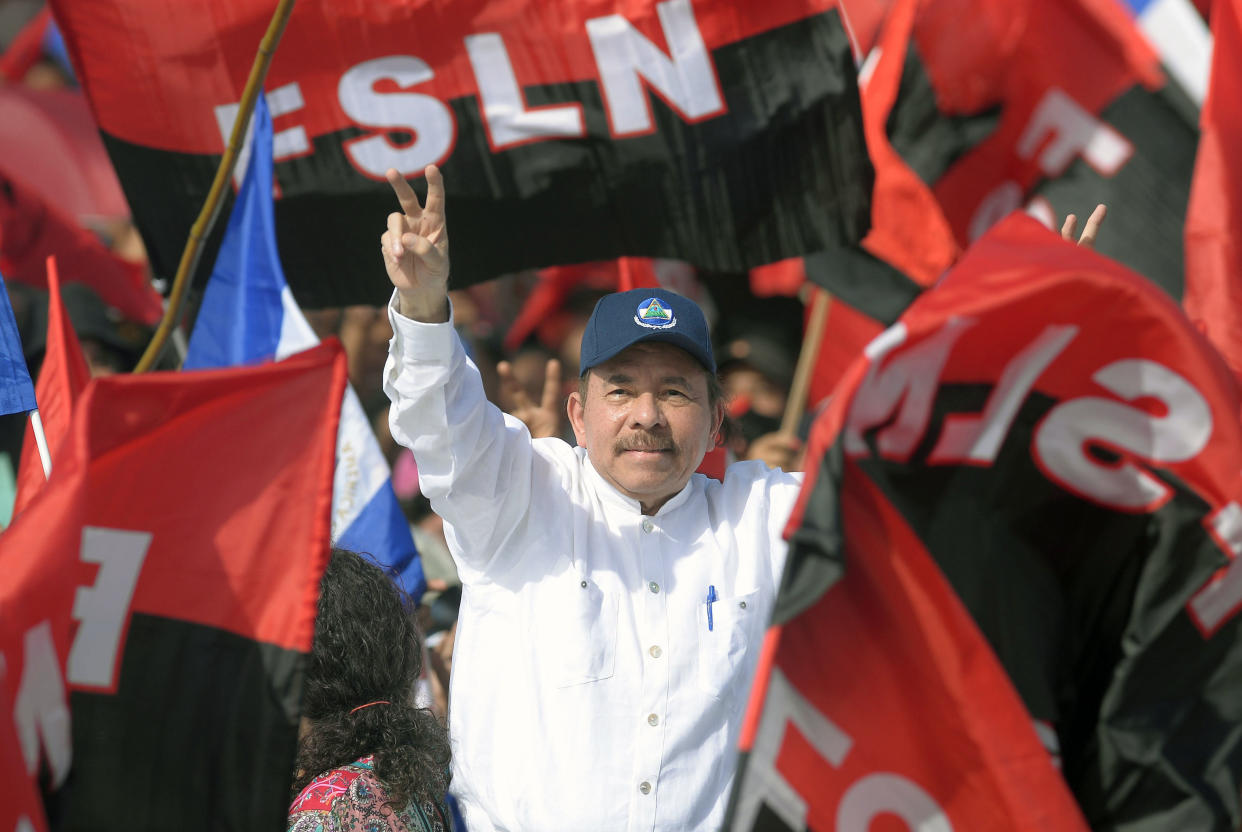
103	609
685	78
874	794
40	709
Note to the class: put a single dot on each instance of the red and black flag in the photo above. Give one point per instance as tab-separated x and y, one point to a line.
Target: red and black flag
910	242
721	132
1023	530
159	596
1052	106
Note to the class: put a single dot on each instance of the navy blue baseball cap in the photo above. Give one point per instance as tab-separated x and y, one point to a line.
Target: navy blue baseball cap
623	319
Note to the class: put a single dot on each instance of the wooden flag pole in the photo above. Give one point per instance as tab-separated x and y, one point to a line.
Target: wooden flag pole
211	208
795	405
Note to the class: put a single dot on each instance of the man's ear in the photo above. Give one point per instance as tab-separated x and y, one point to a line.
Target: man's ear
574	408
718	417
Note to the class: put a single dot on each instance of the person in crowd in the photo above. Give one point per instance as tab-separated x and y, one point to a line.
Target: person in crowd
756	370
530	390
367	757
614	602
110	343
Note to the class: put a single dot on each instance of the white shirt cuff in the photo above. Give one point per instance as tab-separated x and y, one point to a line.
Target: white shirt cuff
418	340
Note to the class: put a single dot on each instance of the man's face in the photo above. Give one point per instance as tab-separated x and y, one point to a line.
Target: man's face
646	421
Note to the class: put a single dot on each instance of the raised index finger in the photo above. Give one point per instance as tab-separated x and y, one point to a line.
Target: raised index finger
551	385
1092	228
405	194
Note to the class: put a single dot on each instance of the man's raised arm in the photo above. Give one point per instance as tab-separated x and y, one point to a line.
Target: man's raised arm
476	467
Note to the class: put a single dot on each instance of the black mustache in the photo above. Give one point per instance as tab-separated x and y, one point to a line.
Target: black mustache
641	442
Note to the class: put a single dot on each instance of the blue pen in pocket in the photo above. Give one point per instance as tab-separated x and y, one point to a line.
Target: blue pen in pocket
711	599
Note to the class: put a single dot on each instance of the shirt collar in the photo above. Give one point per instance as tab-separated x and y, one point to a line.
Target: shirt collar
610	494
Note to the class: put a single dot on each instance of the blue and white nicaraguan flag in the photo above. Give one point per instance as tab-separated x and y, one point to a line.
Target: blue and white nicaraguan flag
1182	38
248	315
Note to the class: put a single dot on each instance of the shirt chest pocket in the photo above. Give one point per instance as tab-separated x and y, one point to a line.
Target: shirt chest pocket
724	639
579	625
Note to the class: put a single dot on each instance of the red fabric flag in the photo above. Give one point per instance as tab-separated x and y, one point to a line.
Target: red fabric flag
52	146
21	809
884	699
846	332
1054	114
26	48
908	229
1049	107
782	278
165	582
542	310
31	229
1213	297
62	378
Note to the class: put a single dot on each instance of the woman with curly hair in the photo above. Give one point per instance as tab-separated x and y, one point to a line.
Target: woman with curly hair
367	757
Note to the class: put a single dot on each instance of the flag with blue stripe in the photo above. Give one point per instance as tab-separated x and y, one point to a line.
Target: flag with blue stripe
17	393
1181	36
248	315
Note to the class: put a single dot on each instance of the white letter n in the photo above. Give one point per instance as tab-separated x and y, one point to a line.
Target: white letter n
685	78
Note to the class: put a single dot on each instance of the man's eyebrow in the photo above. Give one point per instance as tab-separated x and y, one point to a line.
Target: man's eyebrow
622	378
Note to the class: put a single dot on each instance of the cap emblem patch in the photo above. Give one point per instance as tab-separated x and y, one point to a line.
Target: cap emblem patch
654	313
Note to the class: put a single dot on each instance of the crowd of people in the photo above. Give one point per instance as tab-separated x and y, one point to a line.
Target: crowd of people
595	602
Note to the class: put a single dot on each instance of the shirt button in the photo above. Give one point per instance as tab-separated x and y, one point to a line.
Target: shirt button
654	587
653	720
648	525
584	584
742	604
644	787
655	651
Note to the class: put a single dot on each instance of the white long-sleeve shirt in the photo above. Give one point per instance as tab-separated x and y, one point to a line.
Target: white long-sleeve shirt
588	690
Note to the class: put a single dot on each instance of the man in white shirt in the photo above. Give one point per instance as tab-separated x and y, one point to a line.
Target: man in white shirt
615	601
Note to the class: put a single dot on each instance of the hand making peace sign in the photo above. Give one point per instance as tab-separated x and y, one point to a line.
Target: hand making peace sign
416	246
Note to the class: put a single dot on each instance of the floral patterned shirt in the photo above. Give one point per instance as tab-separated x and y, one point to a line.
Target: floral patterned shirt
350	798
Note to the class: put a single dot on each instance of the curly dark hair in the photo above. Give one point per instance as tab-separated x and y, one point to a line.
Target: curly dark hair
367	648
